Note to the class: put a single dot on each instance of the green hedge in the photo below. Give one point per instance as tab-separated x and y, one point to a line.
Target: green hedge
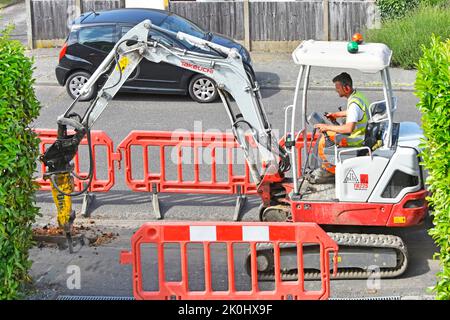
407	35
392	9
18	154
433	89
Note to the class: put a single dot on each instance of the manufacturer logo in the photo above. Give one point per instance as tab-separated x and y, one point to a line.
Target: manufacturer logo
195	67
364	182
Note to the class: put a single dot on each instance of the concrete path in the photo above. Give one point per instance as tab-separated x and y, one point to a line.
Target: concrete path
273	70
17	15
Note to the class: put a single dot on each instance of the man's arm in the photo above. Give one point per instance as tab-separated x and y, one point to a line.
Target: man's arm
344	129
353	113
339	114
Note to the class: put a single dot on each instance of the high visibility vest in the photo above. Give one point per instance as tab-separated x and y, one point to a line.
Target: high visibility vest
356	138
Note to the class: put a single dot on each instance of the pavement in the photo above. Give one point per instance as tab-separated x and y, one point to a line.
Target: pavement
273	70
15	14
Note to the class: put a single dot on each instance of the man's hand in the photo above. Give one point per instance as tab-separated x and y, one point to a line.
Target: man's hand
322	127
330	116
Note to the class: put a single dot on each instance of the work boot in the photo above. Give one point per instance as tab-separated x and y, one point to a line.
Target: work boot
321	176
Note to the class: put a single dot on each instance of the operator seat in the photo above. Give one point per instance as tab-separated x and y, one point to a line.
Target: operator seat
375	127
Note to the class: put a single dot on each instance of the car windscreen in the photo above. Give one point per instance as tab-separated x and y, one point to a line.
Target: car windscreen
177	24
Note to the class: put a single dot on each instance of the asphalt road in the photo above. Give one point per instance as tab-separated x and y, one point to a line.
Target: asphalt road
130	112
123	211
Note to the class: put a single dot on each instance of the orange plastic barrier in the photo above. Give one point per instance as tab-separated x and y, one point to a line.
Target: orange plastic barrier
99	139
207	233
163	140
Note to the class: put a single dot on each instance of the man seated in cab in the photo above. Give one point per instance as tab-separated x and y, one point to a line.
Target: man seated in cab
353	129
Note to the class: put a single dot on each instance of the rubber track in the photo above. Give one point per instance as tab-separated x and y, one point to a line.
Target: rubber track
349	240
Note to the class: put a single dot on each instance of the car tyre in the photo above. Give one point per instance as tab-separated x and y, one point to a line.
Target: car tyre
76	81
203	89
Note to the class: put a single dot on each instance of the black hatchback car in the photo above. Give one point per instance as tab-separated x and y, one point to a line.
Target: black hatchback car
94	34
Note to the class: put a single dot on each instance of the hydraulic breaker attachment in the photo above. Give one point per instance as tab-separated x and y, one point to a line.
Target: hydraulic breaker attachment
63	203
58	159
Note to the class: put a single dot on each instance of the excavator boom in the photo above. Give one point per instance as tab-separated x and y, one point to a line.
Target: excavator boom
249	125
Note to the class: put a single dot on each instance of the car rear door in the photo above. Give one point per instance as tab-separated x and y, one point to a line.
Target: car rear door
94	43
158	77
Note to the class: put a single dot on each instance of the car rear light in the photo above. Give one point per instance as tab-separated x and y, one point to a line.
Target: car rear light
62	53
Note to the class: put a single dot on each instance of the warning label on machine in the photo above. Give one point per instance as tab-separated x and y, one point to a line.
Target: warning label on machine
358	184
351	177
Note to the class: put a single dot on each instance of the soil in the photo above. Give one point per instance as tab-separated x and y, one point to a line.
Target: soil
95	236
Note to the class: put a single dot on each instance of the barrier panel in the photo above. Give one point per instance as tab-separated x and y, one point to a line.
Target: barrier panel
197	144
164	140
209	233
99	139
185	143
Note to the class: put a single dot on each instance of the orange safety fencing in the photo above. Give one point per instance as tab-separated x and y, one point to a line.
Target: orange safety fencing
221	149
99	139
183	142
208	233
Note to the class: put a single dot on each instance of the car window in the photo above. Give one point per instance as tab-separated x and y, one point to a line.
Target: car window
177	24
162	38
98	37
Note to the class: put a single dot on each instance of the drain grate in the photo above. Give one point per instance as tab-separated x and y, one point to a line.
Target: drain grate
370	298
86	298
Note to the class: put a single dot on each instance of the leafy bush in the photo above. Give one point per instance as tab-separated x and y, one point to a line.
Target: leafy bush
441	3
433	89
391	9
394	9
406	36
18	153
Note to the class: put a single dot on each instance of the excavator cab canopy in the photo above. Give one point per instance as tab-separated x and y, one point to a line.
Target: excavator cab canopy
370	58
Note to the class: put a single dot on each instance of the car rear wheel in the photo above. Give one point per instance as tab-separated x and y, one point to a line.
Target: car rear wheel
202	89
74	84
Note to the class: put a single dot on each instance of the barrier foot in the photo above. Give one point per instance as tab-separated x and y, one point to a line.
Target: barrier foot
155	203
240	203
88	199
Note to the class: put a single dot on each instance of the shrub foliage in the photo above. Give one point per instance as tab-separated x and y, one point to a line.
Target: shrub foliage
18	154
392	9
433	89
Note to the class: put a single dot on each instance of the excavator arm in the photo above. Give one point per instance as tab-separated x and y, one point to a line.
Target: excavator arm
250	125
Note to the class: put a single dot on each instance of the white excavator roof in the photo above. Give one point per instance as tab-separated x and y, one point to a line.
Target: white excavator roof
370	58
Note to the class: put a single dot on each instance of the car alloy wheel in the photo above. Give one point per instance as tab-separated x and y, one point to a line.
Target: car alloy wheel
74	84
203	89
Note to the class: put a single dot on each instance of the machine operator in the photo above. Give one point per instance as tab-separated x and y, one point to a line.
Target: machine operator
353	129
